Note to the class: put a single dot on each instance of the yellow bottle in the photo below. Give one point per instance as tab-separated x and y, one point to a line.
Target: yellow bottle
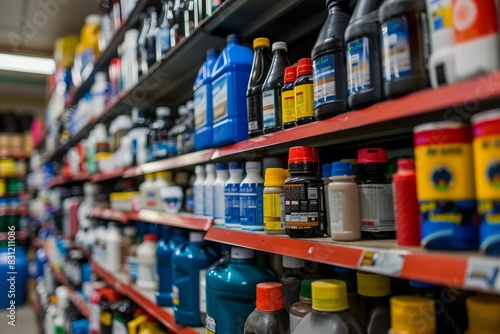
412	315
141	325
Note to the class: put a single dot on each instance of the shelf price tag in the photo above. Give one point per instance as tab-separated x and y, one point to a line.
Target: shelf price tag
482	274
385	262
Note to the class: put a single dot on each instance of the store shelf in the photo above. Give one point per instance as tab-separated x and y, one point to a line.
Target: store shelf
469	270
74	296
114	215
188	221
144	298
60	181
106	176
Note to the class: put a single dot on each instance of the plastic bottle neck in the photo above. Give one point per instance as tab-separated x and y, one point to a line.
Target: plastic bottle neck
164	20
305	300
253	172
235	173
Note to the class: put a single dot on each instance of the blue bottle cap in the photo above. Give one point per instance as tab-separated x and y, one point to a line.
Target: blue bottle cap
341	168
326	170
221	166
235	165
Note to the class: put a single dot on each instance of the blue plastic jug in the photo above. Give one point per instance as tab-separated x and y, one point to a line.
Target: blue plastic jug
231	289
229	85
166	246
13	275
203	115
187	261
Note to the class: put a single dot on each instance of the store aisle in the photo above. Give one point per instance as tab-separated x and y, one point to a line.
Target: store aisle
25	321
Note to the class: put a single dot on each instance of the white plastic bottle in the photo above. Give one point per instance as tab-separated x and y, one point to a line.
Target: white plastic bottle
147	196
129	64
251	196
97	250
113	248
343	206
62	304
146	258
198	190
208	190
50	315
476	37
171	197
232	195
99	94
219	204
163	180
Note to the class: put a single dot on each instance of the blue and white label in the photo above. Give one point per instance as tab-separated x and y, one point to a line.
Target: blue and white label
160	150
200	107
251	208
219	206
232	199
219	98
358	66
324	79
269	108
396	49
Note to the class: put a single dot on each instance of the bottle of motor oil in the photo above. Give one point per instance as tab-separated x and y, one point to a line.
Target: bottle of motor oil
304	92
364	63
274	201
303	307
151	36
158	134
288	114
123	311
482	313
405	46
260	67
251	195
304	220
232	195
292	275
163	42
269	315
271	89
410	314
375	194
374	293
329	62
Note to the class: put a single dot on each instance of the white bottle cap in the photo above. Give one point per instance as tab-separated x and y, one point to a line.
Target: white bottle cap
190	105
101	76
292	262
210	168
196	236
253	165
93	19
279	46
163	111
183	110
62	293
131	37
242	253
199	170
129	231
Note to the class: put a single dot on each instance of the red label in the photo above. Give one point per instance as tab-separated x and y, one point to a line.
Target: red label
474	18
460	135
486	128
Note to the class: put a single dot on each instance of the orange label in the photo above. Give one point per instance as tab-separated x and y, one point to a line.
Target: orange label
474	18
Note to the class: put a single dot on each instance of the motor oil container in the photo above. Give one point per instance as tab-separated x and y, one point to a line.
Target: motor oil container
303	307
144	324
188	260
374	292
123	311
482	313
330	312
412	315
405	48
269	316
229	82
363	56
329	62
288	115
231	291
164	267
260	68
13	286
203	109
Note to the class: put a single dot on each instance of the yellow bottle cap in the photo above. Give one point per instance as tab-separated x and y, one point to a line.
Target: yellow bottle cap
410	314
166	174
373	285
287	173
53	299
484	314
261	41
329	295
275	177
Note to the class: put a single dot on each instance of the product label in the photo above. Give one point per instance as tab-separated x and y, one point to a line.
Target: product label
288	106
151	199
254	110
219	98
473	19
377	211
273	212
160	150
303	205
198	199
203	290
358	66
304	100
106	318
219	205
175	295
294	322
270	107
441	14
232	199
208	202
251	204
324	79
200	107
396	49
487	164
211	325
336	199
119	327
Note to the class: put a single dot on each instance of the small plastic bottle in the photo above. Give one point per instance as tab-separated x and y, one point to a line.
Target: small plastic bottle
146	258
412	315
113	248
218	193
232	195
162	181
274	201
269	316
374	292
132	266
304	93
343	205
251	191
208	190
198	190
303	307
288	113
148	198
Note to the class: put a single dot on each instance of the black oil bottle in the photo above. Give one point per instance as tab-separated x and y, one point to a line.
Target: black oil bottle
363	55
329	63
271	89
261	63
405	46
288	114
304	93
304	207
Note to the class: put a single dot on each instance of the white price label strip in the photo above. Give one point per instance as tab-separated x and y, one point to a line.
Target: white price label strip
482	274
384	262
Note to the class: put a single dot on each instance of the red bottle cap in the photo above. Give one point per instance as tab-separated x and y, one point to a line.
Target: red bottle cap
291	74
406	165
270	297
371	155
151	237
302	154
304	67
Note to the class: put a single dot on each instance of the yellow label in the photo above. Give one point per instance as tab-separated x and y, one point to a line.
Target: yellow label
442	17
444	172
487	167
288	106
272	212
106	318
304	100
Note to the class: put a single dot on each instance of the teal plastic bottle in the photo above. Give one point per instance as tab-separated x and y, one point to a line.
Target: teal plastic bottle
188	260
203	112
231	291
229	85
